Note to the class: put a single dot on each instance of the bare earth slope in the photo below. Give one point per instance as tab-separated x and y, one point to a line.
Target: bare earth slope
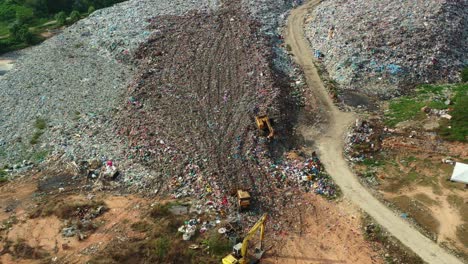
330	144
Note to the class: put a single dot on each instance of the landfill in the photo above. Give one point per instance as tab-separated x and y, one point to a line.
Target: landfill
383	48
168	105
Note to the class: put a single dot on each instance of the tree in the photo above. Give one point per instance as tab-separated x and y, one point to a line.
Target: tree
61	18
14	30
24	14
75	16
91	9
19	32
24	35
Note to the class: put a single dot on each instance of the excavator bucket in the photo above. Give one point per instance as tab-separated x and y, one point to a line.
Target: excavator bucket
230	259
258	254
263	123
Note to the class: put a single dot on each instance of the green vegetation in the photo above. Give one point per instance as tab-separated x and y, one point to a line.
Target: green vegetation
216	244
141	226
40	125
464	75
61	18
3	176
457	127
434	96
75	16
39	156
403	109
372	162
160	210
22	21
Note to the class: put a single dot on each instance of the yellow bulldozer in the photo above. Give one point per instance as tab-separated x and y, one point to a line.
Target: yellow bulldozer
243	199
263	124
239	253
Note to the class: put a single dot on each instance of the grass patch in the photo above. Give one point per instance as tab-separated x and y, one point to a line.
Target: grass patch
425	199
403	109
40	123
372	162
4	28
35	138
159	247
3	176
412	176
464	75
39	156
455	200
160	210
397	252
217	245
434	96
418	212
456	129
67	210
141	226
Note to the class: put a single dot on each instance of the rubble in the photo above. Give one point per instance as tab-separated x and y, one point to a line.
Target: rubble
383	47
364	140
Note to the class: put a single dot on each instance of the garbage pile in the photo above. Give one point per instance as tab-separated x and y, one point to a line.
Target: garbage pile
271	13
364	140
75	81
308	173
382	47
186	116
80	222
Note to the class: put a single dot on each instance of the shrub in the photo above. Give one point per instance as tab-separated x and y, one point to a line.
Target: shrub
61	18
75	16
24	35
91	9
464	75
24	14
40	123
159	247
217	245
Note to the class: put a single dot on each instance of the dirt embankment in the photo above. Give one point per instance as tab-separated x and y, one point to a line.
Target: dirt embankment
53	216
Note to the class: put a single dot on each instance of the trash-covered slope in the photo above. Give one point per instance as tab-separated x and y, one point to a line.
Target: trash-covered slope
382	47
74	82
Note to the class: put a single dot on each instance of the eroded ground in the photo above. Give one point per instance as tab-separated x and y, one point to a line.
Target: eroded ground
413	174
53	216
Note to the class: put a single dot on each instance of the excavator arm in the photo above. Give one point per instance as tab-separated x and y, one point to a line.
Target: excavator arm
232	259
245	243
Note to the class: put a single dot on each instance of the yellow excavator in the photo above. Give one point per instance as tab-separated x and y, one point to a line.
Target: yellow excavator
239	252
263	123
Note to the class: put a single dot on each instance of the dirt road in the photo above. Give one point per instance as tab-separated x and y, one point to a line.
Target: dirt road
329	142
